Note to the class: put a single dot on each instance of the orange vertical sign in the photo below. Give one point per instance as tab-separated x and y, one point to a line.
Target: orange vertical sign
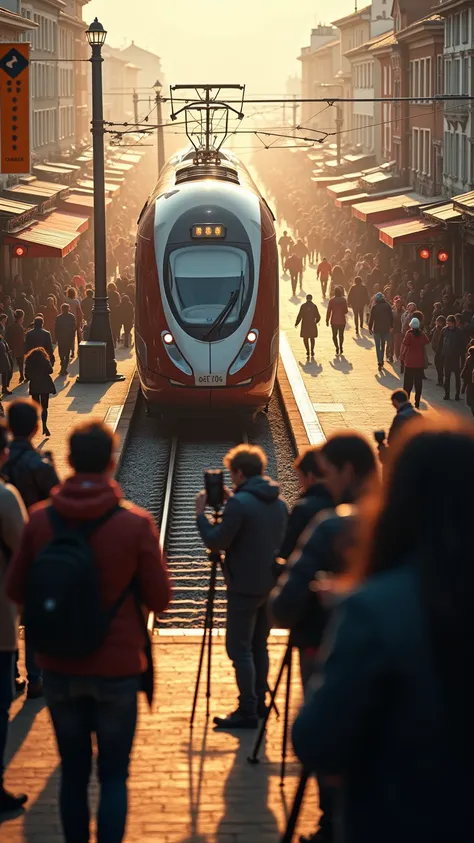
14	108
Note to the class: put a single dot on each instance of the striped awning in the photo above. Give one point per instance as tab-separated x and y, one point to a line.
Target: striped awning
407	231
55	236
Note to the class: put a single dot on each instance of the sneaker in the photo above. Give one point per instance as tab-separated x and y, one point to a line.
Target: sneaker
417	405
237	720
446	398
35	690
337	350
11	801
20	686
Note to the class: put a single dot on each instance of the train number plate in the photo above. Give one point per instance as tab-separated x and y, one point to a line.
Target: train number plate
210	380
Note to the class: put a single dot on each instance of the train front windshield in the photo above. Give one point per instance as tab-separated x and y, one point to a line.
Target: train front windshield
209	288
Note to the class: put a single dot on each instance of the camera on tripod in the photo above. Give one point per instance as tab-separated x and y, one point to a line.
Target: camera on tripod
214	485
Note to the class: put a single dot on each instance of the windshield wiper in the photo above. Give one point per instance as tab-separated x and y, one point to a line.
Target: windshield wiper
219	321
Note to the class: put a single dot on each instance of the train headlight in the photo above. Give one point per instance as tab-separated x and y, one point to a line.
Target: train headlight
174	353
245	352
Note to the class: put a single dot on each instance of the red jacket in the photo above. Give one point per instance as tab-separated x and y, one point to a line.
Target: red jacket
413	349
324	270
125	547
336	312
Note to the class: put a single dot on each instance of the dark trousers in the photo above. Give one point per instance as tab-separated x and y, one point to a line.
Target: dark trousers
7	668
439	363
413	378
452	368
5	380
358	317
20	362
324	286
381	341
294	282
80	706
247	631
43	400
309	341
338	336
64	351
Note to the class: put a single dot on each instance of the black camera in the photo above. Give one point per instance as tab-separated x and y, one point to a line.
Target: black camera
214	485
379	436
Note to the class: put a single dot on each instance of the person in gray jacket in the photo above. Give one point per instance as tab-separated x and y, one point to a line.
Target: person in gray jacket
251	531
12	520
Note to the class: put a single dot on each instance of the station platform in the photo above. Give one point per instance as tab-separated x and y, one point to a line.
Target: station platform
185	787
347	391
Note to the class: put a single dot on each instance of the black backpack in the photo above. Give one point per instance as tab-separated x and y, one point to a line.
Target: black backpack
63	609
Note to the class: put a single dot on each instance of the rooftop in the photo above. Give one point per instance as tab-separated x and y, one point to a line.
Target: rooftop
368	45
353	17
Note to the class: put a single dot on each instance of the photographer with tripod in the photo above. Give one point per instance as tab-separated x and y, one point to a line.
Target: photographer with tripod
346	464
250	531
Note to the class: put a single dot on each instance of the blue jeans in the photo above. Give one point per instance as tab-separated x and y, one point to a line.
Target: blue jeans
7	667
247	631
80	706
381	341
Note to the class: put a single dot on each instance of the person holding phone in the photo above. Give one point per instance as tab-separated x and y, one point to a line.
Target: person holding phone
250	532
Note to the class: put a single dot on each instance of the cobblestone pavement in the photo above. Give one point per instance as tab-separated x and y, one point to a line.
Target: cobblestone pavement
183	789
350	389
76	402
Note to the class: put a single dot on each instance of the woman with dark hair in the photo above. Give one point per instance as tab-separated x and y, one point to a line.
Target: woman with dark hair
337	278
336	316
393	717
38	371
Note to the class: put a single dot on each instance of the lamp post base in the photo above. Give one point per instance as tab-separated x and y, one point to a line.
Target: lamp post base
101	332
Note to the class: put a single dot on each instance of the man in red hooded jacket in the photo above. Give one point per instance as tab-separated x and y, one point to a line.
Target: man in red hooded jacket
97	693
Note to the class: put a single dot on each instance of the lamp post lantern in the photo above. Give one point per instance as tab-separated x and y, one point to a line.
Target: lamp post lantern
100	330
160	143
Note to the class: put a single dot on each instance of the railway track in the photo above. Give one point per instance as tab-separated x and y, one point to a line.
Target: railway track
163	472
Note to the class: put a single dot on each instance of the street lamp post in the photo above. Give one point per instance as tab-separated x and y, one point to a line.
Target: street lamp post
160	143
100	330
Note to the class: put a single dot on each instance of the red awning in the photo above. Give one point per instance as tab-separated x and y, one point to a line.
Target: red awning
55	236
407	231
384	210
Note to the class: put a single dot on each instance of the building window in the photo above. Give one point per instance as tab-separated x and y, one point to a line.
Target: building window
465	76
465	26
447	76
448	31
464	159
456	30
439	76
415	150
426	159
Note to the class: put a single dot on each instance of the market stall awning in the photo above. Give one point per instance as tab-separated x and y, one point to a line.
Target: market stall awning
51	172
376	180
342	188
35	191
59	165
81	202
55	236
14	214
384	210
465	202
112	189
442	213
360	158
324	181
351	199
406	231
121	167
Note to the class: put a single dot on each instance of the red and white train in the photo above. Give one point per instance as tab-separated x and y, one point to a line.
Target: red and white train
207	290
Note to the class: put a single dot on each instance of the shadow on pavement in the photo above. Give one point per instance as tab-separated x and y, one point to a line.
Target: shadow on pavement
363	342
20	727
44	813
342	365
311	367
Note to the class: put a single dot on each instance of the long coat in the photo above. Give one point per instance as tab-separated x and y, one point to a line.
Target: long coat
38	371
16	339
309	317
39	338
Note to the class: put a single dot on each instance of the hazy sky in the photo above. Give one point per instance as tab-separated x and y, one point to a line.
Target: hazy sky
247	41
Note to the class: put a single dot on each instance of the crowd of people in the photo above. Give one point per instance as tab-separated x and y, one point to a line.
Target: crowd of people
404	310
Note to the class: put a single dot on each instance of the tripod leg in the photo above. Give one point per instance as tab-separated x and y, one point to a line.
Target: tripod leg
295	810
253	759
198	678
212	590
286	722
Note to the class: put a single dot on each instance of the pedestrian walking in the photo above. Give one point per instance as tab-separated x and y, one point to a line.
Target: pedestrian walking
413	356
115	317
380	325
358	300
309	317
313	245
454	349
76	310
5	367
16	342
314	498
12	520
37	337
393	715
65	329
251	531
127	316
22	303
323	273
395	340
437	346
87	305
467	377
300	248
38	371
294	265
285	243
336	317
50	314
96	656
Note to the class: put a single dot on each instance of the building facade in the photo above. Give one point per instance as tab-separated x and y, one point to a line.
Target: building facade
149	66
314	69
458	16
354	31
